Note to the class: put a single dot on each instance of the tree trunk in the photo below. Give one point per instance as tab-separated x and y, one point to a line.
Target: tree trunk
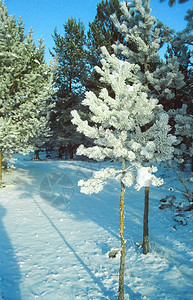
122	259
71	152
60	152
66	153
37	152
0	165
146	223
192	164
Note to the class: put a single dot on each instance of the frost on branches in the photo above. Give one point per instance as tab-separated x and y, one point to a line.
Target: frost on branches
183	130
125	124
26	87
143	37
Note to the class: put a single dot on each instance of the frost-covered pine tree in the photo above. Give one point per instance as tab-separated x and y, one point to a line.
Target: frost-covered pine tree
126	126
144	36
26	87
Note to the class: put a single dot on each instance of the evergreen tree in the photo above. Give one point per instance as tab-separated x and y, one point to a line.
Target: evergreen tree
127	126
144	36
102	32
70	53
26	87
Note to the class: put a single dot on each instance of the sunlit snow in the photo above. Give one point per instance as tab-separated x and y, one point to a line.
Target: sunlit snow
58	249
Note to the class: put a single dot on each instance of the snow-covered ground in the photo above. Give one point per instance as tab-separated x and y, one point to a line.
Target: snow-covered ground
55	241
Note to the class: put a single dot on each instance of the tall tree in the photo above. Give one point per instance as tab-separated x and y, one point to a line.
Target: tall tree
70	53
102	32
26	87
143	37
118	120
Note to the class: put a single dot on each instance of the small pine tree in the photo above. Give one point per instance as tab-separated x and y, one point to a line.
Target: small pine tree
26	87
127	126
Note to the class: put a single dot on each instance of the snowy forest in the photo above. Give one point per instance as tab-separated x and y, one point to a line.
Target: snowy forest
108	123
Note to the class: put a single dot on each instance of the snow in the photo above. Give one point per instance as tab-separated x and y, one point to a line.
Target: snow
55	240
144	177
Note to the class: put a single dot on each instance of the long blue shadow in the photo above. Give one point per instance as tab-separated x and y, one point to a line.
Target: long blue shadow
88	270
9	269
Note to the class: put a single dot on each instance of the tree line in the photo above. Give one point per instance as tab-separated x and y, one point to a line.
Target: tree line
37	98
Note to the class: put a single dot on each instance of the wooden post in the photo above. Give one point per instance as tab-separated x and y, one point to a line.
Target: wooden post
146	222
122	259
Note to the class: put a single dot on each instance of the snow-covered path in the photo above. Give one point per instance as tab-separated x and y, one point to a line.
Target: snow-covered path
55	241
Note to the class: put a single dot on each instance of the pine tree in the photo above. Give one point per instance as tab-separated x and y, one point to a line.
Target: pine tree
70	54
144	36
127	126
102	32
26	87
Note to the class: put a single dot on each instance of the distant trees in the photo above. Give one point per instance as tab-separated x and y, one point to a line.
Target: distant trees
71	55
26	87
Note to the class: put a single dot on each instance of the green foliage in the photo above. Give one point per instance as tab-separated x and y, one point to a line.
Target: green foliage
71	55
102	32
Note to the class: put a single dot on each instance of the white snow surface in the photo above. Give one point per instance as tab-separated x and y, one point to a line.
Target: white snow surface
144	177
54	241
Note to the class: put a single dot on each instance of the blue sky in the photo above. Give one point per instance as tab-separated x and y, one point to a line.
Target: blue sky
44	15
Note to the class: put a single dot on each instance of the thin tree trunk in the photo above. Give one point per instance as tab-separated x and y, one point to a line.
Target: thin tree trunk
60	152
122	259
71	152
37	152
66	153
146	223
0	166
